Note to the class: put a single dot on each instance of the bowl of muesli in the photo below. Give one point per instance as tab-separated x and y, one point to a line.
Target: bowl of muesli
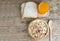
38	29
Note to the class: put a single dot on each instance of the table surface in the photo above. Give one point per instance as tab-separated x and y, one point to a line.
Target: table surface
14	28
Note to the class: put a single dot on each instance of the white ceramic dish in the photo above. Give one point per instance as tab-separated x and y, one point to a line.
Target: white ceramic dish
38	29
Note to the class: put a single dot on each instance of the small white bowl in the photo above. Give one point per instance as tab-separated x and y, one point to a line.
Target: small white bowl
29	31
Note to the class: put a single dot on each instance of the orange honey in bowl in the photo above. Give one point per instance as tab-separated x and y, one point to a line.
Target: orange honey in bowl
43	7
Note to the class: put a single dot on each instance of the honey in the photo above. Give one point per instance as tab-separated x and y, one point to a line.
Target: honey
43	7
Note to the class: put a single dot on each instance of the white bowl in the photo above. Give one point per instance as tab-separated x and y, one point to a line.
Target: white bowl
30	29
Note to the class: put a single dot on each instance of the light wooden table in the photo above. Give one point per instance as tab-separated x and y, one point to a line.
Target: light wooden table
13	28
